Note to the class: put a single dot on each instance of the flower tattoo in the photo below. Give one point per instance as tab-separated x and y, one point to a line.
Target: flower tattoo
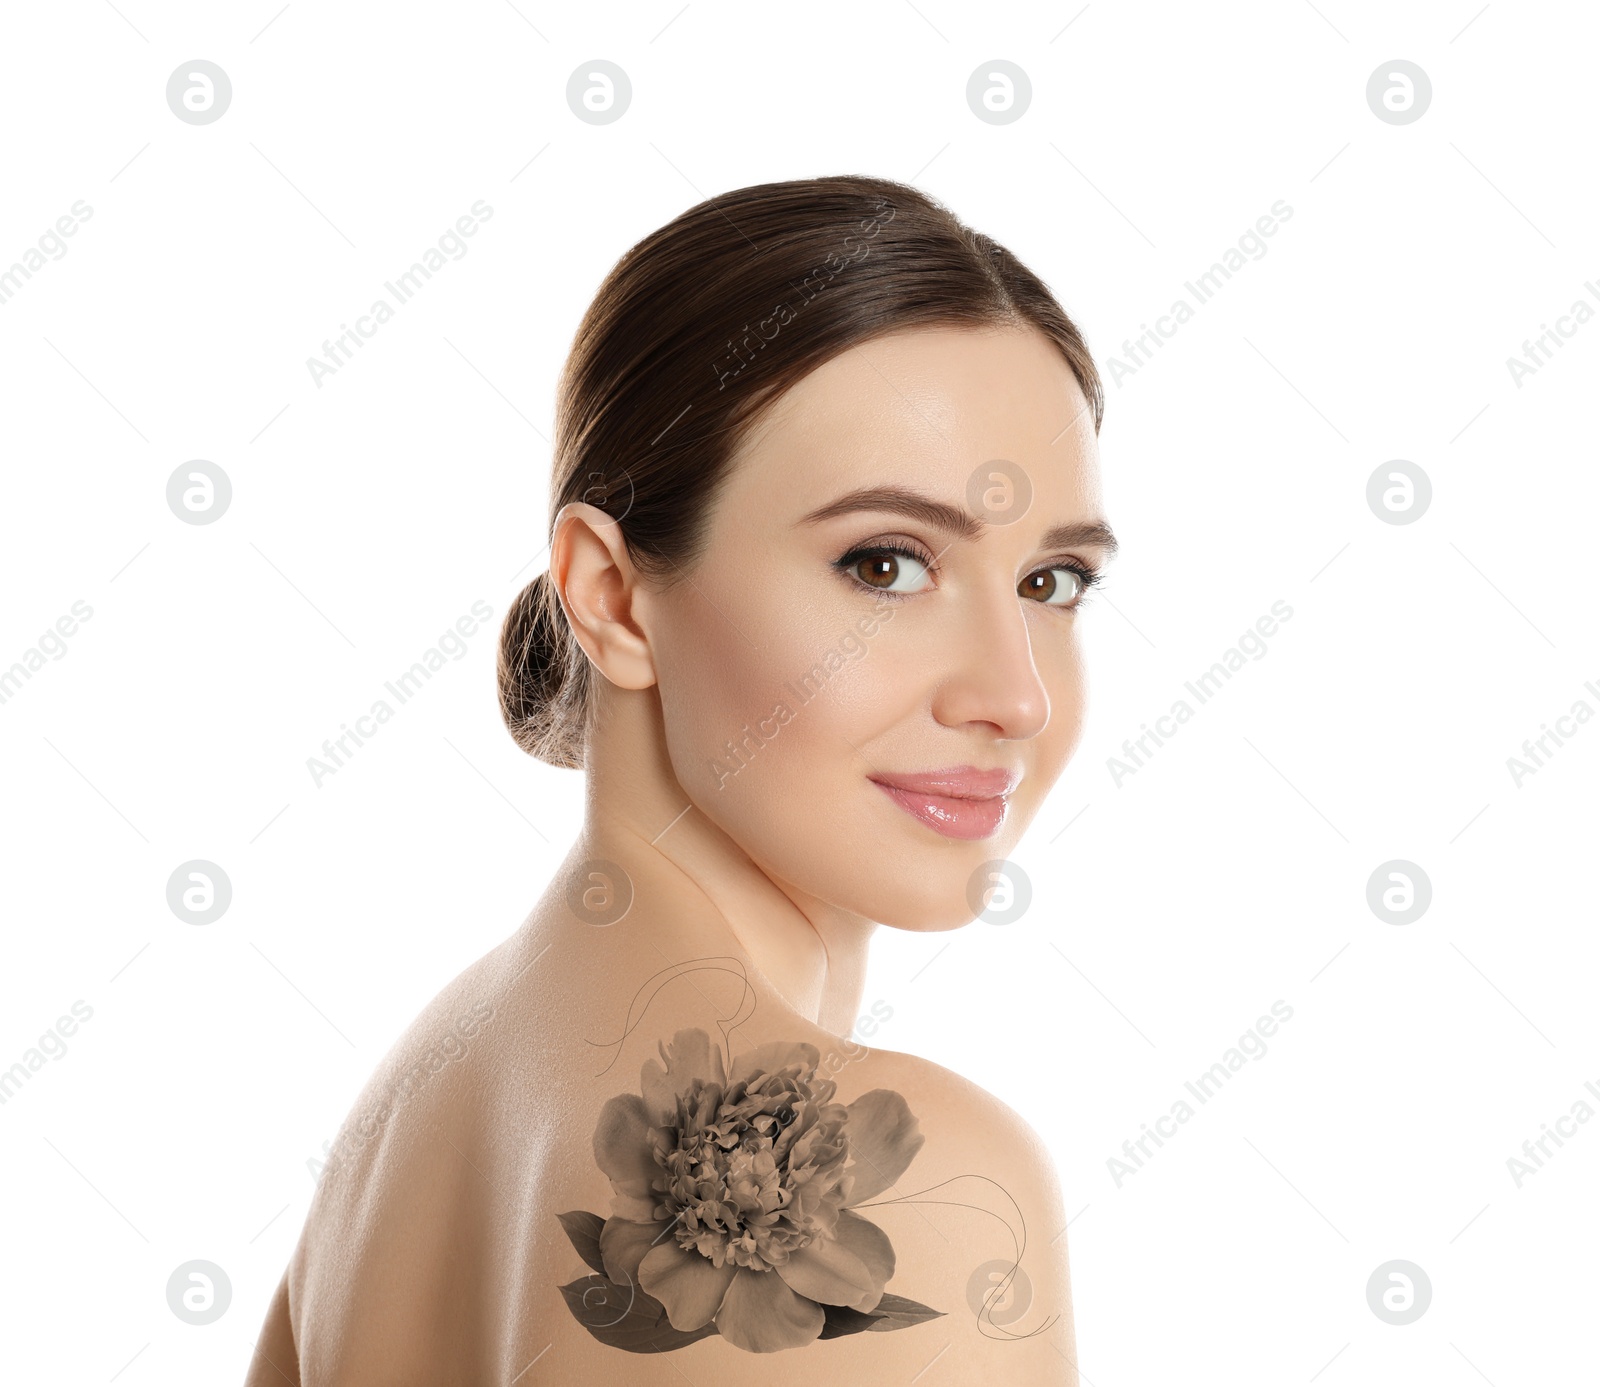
732	1212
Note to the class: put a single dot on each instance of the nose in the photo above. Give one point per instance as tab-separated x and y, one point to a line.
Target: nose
989	677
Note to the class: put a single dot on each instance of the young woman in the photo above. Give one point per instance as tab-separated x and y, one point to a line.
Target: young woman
825	503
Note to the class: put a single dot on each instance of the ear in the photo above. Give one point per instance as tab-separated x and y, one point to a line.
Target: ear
599	590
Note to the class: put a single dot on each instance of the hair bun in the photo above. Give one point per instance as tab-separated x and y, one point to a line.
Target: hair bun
542	673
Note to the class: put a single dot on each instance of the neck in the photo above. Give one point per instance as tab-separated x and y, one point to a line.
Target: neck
812	953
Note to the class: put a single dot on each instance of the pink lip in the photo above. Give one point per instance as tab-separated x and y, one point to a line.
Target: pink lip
959	802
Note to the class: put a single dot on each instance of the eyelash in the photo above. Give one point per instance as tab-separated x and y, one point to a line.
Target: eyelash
1089	577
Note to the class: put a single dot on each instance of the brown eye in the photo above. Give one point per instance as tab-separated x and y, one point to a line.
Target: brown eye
1044	587
889	570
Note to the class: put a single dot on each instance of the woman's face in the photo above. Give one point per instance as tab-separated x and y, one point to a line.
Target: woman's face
806	666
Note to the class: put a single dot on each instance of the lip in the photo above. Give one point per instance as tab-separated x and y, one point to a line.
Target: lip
962	802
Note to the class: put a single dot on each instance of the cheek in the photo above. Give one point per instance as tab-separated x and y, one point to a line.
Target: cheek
764	702
1061	667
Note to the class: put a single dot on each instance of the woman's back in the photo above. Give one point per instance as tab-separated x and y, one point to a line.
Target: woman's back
436	1251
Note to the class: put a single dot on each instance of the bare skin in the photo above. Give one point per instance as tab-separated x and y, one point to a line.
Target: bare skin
433	1252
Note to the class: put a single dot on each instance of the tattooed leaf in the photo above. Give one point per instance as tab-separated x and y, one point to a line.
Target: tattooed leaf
626	1318
584	1230
893	1312
897	1312
839	1320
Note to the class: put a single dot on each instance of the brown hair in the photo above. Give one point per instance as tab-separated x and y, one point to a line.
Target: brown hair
670	369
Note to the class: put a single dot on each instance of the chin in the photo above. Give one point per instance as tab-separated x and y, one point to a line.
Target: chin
940	917
929	892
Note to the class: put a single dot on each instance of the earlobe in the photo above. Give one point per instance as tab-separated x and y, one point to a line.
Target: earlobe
598	586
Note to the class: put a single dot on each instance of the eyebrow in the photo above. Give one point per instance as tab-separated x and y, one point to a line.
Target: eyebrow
953	520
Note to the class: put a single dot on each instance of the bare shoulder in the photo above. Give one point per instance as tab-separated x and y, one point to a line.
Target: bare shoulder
982	1217
985	1118
820	1204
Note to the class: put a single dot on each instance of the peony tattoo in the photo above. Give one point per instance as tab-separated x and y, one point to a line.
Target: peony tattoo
734	1189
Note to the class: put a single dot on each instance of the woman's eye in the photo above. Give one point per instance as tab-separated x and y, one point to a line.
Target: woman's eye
1051	590
888	570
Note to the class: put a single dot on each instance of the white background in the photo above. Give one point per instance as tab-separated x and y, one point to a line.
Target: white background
1169	911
